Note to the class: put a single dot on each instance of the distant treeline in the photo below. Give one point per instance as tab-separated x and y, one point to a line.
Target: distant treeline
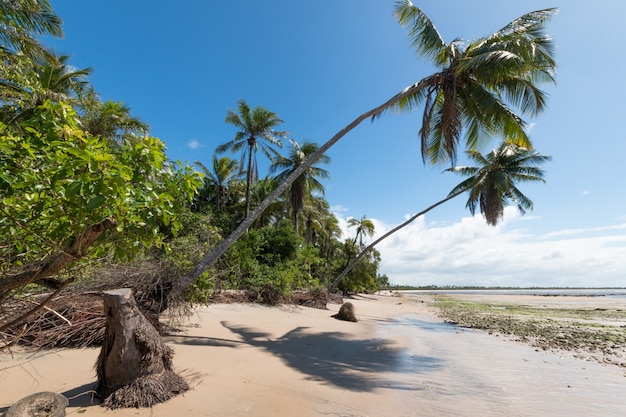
478	287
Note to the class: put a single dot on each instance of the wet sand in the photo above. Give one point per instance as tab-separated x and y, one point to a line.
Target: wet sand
400	359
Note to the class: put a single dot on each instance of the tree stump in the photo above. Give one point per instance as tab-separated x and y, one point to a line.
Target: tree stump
134	367
41	404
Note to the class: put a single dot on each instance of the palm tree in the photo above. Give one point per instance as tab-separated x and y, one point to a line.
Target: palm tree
109	119
22	22
57	81
490	186
364	227
308	182
465	96
224	170
507	65
259	192
315	218
255	130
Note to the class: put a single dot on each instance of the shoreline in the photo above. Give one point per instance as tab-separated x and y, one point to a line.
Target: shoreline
400	359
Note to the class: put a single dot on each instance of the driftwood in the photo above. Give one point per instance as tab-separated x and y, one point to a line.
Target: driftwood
41	404
346	312
134	367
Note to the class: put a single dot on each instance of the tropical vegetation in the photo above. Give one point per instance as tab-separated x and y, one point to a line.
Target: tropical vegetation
84	187
474	94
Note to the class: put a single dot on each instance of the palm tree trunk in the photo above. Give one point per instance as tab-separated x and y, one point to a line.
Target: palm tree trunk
294	218
348	268
248	184
226	243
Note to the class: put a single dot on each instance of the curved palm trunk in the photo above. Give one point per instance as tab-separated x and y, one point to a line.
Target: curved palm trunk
348	268
226	243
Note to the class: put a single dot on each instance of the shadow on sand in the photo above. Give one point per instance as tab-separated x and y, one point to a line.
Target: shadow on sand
333	358
83	396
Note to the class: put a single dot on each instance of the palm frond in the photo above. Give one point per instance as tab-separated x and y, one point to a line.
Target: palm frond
423	35
531	24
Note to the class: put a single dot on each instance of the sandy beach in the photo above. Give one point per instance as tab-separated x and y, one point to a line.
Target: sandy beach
400	359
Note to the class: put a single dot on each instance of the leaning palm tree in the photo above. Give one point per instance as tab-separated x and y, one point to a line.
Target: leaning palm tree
255	130
491	186
507	66
466	97
308	182
22	22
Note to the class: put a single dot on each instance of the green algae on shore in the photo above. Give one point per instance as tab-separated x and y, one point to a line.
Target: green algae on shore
592	333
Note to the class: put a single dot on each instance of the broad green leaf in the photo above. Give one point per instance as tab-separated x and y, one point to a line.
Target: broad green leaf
72	189
95	202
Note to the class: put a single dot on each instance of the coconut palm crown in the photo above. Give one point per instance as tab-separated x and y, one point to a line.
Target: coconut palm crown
479	84
22	22
307	183
256	130
491	184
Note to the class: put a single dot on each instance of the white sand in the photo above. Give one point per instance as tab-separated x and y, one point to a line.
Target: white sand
398	360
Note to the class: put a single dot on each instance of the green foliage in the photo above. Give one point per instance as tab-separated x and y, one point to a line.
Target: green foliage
272	261
56	181
278	244
364	275
196	236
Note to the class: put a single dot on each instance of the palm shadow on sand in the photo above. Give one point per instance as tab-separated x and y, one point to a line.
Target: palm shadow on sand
333	358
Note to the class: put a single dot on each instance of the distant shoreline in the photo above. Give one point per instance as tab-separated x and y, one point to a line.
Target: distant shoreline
542	292
480	288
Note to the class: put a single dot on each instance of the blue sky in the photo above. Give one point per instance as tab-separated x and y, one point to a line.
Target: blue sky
320	64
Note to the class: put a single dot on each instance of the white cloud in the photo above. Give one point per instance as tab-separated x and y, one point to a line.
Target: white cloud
471	253
194	144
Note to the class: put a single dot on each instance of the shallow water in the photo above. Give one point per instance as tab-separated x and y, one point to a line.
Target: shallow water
481	375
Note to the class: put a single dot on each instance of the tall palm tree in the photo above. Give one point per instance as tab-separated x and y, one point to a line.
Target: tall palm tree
224	170
308	182
255	130
22	22
491	186
508	65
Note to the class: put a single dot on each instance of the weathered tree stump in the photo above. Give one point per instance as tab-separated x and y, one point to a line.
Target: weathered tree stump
346	312
134	367
41	404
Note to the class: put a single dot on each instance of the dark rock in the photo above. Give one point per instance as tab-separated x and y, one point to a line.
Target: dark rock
346	312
